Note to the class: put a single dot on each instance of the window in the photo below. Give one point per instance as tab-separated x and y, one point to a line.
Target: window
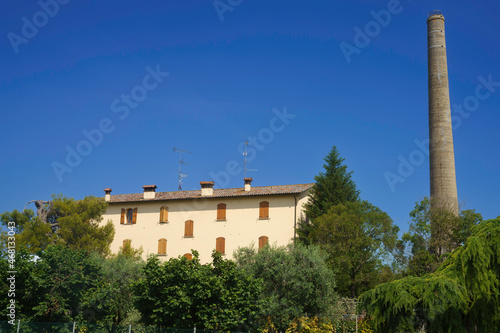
162	247
163	214
128	216
263	241
188	228
127	243
264	210
188	255
220	245
221	211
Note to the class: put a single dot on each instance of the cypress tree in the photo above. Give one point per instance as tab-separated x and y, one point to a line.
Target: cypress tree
332	187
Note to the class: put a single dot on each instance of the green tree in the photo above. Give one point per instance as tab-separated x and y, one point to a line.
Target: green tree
297	282
112	299
79	226
52	287
332	187
462	295
183	293
359	239
432	234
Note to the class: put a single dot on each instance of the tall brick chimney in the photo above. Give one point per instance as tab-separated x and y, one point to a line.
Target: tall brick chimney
442	158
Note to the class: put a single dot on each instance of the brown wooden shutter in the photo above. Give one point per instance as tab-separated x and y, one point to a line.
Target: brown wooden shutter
188	255
188	228
122	218
134	216
162	247
221	211
263	240
264	210
220	245
164	214
126	243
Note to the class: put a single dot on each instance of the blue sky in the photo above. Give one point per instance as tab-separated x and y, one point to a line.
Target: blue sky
142	77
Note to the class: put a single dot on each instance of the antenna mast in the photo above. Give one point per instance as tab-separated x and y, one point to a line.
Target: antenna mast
179	171
246	161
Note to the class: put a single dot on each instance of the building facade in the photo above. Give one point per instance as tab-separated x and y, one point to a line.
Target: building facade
172	224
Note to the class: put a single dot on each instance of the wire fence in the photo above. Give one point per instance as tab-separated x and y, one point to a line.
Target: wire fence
32	327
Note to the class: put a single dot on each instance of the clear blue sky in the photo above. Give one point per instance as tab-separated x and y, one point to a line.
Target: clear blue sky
88	64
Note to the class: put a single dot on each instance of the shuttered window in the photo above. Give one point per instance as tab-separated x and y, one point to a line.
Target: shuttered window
221	211
127	243
128	216
264	210
220	245
263	240
188	255
162	247
163	214
134	216
188	228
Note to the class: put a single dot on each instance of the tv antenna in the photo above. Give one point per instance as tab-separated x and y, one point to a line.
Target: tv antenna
245	154
181	162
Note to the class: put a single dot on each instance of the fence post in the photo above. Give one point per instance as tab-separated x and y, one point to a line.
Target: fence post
129	328
194	330
74	325
18	325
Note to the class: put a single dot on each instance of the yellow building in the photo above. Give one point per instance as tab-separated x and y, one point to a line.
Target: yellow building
173	223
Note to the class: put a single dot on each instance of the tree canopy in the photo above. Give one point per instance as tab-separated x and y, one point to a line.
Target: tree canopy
432	234
79	226
462	295
333	186
183	293
297	282
358	238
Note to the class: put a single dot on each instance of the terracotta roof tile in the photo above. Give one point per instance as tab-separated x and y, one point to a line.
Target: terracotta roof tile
218	193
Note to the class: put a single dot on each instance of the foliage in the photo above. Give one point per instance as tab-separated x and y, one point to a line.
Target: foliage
357	237
112	300
310	325
25	284
79	226
332	187
462	295
297	282
63	278
429	242
183	293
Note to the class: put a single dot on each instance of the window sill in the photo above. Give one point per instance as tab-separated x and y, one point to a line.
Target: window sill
163	222
224	220
264	218
127	223
161	255
188	236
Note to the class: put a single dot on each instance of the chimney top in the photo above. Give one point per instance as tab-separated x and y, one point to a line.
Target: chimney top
107	194
248	184
207	188
149	191
148	188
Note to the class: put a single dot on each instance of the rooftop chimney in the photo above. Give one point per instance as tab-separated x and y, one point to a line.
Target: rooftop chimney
149	191
207	188
248	184
107	194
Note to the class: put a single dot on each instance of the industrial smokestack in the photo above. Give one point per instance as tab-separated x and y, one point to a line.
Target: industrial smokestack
442	159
